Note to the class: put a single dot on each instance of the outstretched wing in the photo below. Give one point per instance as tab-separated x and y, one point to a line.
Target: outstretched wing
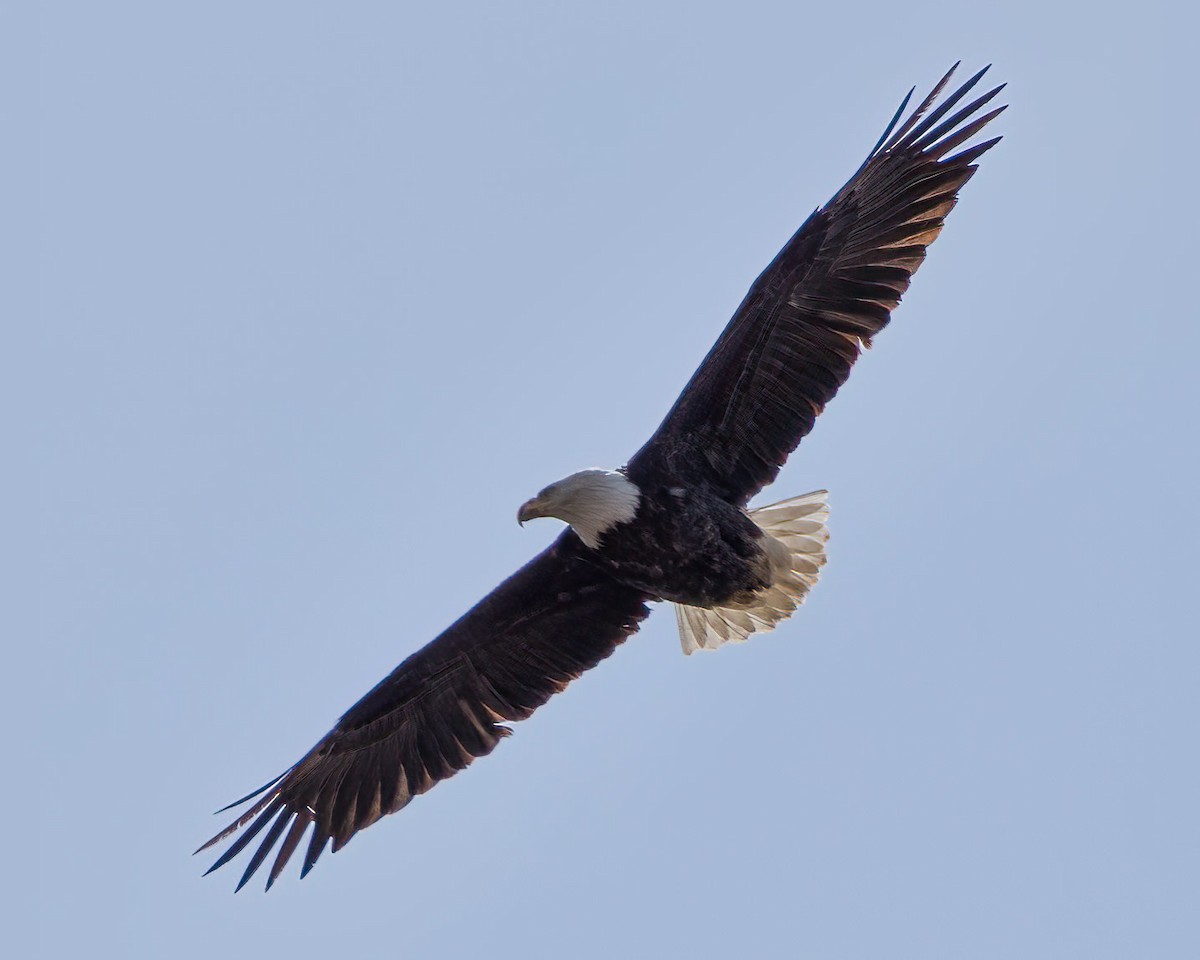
793	340
442	707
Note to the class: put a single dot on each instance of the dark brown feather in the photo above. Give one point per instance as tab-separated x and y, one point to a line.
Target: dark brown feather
444	706
792	342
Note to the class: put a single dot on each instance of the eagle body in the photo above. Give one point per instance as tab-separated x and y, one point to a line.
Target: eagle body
687	545
674	524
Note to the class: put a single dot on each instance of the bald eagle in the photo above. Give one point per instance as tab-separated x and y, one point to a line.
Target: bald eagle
672	524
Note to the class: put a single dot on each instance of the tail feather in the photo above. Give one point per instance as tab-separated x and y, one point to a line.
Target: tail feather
798	529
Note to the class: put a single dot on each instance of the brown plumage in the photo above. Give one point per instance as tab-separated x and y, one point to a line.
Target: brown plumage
782	357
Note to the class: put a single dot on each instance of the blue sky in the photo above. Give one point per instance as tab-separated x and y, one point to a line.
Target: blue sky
317	295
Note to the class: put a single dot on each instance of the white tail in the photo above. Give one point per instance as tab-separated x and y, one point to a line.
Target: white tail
798	531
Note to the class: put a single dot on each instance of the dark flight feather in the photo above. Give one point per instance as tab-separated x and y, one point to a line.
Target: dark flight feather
794	338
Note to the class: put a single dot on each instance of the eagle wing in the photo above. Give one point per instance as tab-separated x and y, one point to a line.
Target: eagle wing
795	336
442	707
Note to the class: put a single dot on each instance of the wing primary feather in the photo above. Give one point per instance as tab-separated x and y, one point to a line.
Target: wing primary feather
264	848
250	796
929	139
966	133
943	108
316	846
288	847
241	821
971	154
252	831
920	111
891	125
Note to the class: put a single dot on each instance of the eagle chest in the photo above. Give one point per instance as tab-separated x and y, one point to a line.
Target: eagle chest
687	548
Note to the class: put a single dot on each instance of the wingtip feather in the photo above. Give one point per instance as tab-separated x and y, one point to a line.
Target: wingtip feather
250	796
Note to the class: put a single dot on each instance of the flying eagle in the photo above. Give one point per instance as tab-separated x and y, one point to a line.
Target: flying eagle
672	524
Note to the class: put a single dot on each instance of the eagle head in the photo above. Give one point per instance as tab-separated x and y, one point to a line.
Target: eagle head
591	501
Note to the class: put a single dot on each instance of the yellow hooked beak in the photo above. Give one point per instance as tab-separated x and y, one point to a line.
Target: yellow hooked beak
530	510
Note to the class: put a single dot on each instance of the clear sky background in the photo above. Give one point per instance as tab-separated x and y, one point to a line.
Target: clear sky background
312	296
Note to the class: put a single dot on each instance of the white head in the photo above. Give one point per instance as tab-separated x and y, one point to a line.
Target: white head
591	501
